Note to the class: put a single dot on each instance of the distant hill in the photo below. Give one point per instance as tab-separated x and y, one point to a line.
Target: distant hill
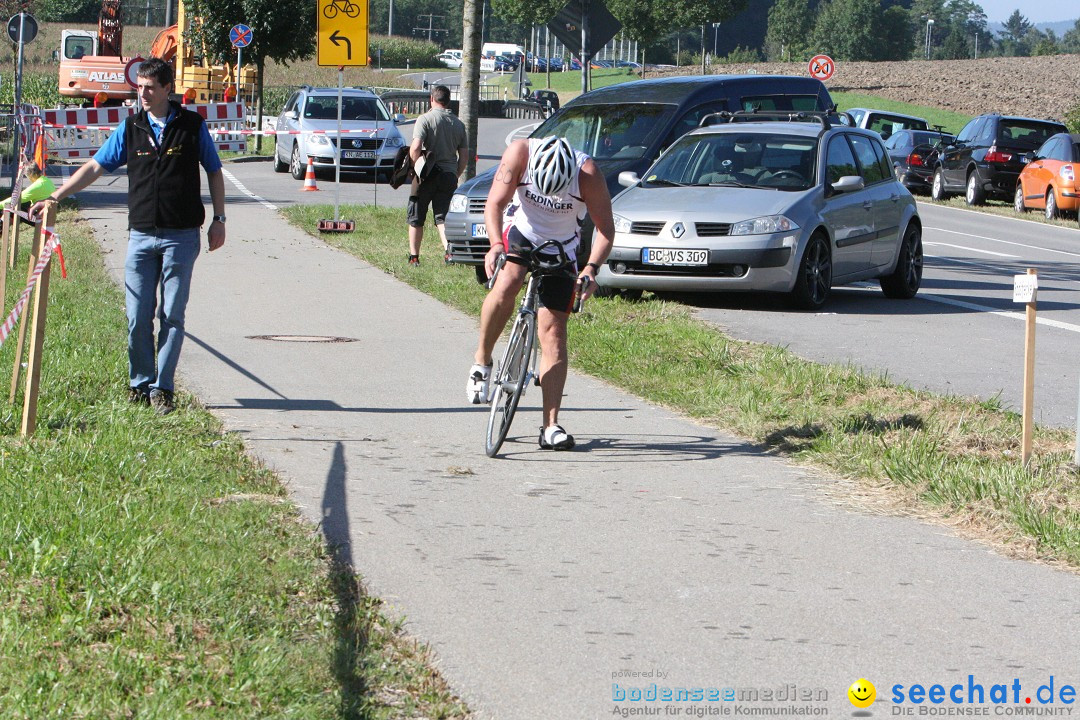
1060	27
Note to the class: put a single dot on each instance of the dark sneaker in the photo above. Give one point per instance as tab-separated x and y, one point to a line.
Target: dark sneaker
414	260
555	438
138	396
163	401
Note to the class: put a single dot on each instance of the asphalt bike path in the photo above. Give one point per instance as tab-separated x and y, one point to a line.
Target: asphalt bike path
659	552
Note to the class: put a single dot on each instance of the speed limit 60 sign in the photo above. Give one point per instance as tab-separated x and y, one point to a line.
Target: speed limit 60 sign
821	67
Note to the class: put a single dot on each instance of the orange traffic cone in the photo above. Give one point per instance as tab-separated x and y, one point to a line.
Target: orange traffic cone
309	178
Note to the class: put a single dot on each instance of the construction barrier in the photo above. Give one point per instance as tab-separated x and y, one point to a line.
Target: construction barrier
80	132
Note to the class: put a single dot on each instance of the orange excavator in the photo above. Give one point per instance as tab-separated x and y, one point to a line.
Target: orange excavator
92	67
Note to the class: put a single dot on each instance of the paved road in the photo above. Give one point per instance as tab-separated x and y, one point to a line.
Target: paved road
962	334
660	547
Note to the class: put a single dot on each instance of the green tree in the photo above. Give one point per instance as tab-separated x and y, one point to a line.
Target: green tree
284	32
849	29
1016	27
1044	43
650	22
1070	41
956	45
790	24
71	11
897	34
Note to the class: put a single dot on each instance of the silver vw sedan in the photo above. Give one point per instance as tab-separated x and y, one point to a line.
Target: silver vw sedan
792	204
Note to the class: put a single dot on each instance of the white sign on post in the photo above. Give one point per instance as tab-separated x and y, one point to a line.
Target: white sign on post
1025	288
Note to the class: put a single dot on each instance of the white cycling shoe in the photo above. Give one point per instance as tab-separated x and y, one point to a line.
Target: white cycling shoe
477	387
554	437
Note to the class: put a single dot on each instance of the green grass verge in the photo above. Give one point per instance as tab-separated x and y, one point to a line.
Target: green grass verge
150	569
943	455
953	122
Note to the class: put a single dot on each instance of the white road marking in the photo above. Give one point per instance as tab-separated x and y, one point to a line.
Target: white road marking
1012	315
523	131
969	249
240	186
1006	242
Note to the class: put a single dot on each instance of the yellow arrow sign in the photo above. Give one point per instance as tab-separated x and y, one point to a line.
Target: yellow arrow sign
343	32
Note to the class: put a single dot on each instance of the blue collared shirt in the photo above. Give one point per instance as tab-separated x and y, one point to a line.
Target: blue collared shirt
113	153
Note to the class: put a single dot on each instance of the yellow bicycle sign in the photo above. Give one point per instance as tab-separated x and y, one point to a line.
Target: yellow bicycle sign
342	34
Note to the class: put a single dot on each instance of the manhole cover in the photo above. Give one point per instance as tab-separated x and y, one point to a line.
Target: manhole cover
304	338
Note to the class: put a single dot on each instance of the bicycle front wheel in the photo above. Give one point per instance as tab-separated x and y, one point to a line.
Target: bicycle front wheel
509	381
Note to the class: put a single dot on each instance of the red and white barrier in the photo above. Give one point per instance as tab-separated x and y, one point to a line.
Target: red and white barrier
51	242
80	132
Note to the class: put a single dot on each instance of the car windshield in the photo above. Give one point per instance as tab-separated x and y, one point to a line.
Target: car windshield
324	107
760	160
926	137
609	131
1030	133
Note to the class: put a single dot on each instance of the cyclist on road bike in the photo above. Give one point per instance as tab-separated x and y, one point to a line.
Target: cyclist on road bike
541	192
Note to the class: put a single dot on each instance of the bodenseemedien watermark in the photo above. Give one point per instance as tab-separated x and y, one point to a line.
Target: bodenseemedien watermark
664	700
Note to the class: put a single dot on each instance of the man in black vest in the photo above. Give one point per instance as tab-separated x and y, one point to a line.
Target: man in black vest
163	147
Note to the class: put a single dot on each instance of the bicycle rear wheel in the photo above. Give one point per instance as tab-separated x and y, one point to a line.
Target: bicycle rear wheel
509	382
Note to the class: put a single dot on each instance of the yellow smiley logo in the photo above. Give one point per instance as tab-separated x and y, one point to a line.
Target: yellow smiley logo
862	693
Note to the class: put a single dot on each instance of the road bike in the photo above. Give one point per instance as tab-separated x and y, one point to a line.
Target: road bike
345	6
518	365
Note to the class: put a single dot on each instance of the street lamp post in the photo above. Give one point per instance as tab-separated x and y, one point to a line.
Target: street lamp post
715	28
929	34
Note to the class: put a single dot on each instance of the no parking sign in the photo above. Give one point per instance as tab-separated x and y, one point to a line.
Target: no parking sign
821	67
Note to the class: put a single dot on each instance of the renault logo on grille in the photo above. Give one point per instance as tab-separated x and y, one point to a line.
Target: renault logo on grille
677	230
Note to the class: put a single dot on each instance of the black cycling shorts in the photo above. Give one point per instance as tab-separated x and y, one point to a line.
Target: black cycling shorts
556	292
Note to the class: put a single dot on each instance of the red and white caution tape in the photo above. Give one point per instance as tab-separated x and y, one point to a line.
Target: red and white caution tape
51	241
227	131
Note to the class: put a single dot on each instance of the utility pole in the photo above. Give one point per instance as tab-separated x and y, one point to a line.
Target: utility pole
430	29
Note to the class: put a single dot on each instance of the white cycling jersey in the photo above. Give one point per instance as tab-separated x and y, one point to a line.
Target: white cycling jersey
540	218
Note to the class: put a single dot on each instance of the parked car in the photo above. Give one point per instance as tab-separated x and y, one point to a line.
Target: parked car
985	160
886	123
316	109
791	207
449	59
625	126
546	99
1049	179
914	156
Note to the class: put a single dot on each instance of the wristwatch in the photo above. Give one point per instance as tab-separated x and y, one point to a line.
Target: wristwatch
220	219
594	266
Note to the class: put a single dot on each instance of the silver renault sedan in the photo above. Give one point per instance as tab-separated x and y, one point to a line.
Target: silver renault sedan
753	202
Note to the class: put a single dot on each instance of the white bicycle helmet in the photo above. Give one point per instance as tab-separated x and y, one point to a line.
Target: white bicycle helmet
552	166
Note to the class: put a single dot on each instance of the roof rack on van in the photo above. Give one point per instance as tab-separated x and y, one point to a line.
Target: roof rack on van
768	116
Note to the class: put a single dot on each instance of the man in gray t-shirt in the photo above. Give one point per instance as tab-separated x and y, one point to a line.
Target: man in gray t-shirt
441	138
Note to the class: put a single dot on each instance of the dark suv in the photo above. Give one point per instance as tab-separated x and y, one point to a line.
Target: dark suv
987	156
624	127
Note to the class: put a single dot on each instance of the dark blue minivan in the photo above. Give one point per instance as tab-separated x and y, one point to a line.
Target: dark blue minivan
627	126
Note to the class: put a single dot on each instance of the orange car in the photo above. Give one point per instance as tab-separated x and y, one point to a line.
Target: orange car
1049	180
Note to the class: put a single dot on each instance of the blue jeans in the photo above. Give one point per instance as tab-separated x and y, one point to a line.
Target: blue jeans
157	278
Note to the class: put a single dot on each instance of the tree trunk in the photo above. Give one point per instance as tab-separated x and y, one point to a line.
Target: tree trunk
260	66
470	76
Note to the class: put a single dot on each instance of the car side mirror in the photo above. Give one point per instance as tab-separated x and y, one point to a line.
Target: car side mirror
292	114
399	118
1027	157
848	183
628	178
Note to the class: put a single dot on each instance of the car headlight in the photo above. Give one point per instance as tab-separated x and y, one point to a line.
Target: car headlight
764	225
622	225
318	140
459	203
395	142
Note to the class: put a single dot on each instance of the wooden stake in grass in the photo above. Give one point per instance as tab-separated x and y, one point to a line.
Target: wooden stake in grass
1025	289
5	228
37	337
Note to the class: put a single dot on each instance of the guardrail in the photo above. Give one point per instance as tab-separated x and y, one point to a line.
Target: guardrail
418	102
520	109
